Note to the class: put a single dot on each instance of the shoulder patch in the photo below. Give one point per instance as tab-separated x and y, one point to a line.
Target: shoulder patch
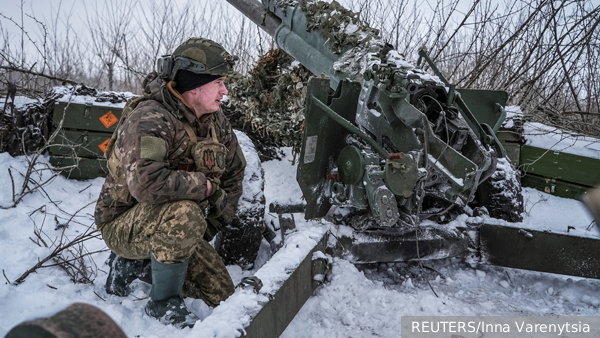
154	148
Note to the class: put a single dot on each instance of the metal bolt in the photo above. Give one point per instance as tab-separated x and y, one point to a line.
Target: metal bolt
384	199
389	213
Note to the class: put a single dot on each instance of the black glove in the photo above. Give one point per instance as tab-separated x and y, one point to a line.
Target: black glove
218	203
217	199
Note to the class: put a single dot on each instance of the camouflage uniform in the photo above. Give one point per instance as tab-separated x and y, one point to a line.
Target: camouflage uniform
149	205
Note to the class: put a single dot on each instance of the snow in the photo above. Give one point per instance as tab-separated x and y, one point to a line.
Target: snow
68	96
543	136
252	185
354	301
547	212
546	137
232	315
368	303
19	102
280	180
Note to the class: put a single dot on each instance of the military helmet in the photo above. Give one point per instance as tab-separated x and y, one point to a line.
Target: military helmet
200	56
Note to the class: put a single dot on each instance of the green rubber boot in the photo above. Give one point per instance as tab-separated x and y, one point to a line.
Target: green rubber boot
166	297
123	272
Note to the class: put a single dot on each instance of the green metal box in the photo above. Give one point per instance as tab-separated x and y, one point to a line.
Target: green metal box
87	116
553	186
86	168
85	143
86	129
513	151
570	168
508	136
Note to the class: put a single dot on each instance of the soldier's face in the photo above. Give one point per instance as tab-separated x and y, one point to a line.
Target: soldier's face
210	95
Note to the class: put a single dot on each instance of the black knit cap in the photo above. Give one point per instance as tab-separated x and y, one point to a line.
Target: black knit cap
187	80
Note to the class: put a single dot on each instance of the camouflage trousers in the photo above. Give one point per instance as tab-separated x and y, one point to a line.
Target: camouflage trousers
172	232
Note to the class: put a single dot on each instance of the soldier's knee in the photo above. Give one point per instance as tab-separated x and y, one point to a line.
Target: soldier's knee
179	231
187	216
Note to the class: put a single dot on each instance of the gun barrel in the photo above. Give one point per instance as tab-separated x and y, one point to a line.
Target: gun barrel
257	13
288	27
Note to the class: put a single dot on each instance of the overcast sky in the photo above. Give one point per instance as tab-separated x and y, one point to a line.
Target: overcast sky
44	10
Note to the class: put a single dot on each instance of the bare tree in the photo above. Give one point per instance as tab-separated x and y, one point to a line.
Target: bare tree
543	53
109	28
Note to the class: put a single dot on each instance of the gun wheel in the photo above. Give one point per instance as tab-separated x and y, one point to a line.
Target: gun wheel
240	241
502	194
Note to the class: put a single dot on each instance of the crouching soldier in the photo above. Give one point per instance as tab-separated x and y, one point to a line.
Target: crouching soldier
176	173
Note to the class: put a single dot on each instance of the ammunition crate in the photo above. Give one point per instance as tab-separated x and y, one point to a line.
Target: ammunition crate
82	168
553	186
513	151
565	167
86	117
553	172
511	141
82	140
508	136
85	143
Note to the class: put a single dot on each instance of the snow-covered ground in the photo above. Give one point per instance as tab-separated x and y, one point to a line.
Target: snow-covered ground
356	302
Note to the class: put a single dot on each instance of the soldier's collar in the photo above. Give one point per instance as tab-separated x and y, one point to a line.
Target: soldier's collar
205	117
183	105
187	113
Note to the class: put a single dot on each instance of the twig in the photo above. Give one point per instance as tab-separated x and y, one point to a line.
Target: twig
421	263
542	199
51	287
76	212
60	248
99	296
36	243
74	259
80	191
591	225
337	240
15	69
13	184
507	275
5	276
36	210
136	298
434	270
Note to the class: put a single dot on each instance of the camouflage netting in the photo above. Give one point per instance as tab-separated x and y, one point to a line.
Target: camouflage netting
27	125
338	24
265	146
342	26
268	103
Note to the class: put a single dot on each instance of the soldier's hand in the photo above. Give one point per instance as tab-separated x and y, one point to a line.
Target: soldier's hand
217	199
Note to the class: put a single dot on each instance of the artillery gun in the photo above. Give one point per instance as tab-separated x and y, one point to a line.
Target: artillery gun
393	145
389	148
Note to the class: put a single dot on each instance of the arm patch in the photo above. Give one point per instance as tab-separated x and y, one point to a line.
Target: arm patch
154	148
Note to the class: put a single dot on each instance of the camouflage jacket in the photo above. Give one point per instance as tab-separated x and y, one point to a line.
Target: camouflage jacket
152	176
